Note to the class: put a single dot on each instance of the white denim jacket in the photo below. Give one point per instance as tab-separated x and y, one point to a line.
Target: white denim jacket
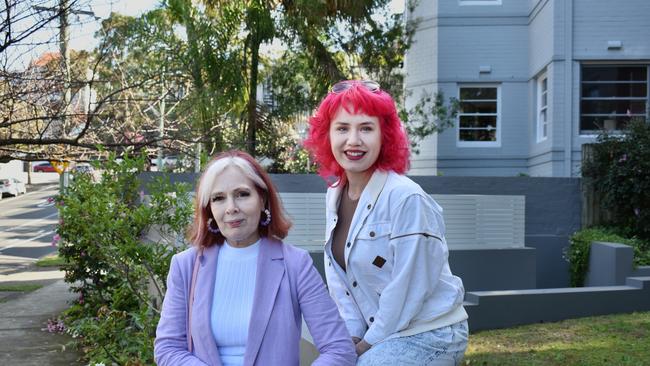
398	281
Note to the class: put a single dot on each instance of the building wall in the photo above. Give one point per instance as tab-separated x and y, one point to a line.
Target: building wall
422	72
462	50
519	40
595	23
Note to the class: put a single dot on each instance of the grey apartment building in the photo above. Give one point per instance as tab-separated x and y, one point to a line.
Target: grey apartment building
536	80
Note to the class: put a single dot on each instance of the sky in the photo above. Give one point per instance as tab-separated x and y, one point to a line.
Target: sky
83	27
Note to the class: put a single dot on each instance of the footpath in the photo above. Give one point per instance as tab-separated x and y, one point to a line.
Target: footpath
23	316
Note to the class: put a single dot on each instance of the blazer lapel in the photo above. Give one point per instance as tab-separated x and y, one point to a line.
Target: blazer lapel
202	310
270	270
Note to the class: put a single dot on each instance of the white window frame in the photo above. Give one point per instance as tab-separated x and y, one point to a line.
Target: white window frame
496	143
542	108
592	133
479	2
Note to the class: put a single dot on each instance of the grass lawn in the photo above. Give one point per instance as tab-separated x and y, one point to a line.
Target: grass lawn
50	261
19	287
622	339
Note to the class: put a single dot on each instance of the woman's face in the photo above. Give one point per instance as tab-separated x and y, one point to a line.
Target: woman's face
236	207
355	140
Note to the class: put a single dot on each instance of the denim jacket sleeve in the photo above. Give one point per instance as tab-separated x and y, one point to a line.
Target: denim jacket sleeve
417	244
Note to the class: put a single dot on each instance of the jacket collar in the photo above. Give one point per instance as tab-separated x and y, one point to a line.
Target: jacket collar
270	270
369	195
366	204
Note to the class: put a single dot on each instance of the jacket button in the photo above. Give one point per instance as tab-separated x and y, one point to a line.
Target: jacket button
347	293
329	263
354	284
372	234
369	206
372	319
349	244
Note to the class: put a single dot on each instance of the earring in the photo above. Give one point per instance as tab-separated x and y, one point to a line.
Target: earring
266	221
210	228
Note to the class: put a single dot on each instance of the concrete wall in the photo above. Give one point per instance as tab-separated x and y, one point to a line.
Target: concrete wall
502	309
613	286
553	213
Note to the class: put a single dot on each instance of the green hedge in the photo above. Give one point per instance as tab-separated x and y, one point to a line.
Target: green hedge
577	254
619	172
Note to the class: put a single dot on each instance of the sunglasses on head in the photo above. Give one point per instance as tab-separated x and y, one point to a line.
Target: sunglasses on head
344	85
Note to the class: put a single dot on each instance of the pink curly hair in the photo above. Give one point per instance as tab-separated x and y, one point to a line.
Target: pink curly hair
394	154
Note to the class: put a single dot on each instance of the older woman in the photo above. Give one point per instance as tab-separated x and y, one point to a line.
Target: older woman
237	296
385	253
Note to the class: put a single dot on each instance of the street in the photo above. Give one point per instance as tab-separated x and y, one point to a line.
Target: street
27	224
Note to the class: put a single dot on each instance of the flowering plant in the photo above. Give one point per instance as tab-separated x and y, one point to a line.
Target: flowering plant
116	270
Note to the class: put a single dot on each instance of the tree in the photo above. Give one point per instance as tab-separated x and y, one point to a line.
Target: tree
38	121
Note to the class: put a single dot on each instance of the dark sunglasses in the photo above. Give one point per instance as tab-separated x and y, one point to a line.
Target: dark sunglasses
341	86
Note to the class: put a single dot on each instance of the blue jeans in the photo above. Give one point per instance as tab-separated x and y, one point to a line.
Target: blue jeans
442	346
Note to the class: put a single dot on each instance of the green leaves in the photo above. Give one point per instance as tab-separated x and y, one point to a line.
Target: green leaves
620	173
577	253
118	244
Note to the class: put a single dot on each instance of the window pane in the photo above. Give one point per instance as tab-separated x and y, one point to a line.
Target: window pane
477	135
588	123
614	90
544	84
544	100
478	107
613	107
612	73
542	115
478	93
478	121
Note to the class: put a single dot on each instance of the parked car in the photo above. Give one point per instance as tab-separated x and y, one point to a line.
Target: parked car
44	167
12	187
83	169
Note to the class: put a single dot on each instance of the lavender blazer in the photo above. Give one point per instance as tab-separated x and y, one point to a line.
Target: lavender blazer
287	286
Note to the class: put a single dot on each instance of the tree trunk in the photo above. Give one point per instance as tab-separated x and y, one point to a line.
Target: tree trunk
251	134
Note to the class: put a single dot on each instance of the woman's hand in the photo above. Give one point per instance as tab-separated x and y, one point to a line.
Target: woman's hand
362	346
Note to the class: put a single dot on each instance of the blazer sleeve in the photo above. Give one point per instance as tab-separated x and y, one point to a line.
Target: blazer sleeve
170	346
323	320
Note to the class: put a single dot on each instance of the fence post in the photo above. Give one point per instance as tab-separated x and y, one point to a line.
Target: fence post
593	212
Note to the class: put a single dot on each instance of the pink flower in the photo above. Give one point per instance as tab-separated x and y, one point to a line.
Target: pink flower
637	212
623	158
55	239
55	326
141	196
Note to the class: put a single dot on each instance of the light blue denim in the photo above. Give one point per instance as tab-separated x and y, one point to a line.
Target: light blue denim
442	346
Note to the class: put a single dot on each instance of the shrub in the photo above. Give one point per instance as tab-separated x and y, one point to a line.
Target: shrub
619	172
577	254
119	277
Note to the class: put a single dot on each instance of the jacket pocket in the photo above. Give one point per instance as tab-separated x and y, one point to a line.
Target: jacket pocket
374	231
371	256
